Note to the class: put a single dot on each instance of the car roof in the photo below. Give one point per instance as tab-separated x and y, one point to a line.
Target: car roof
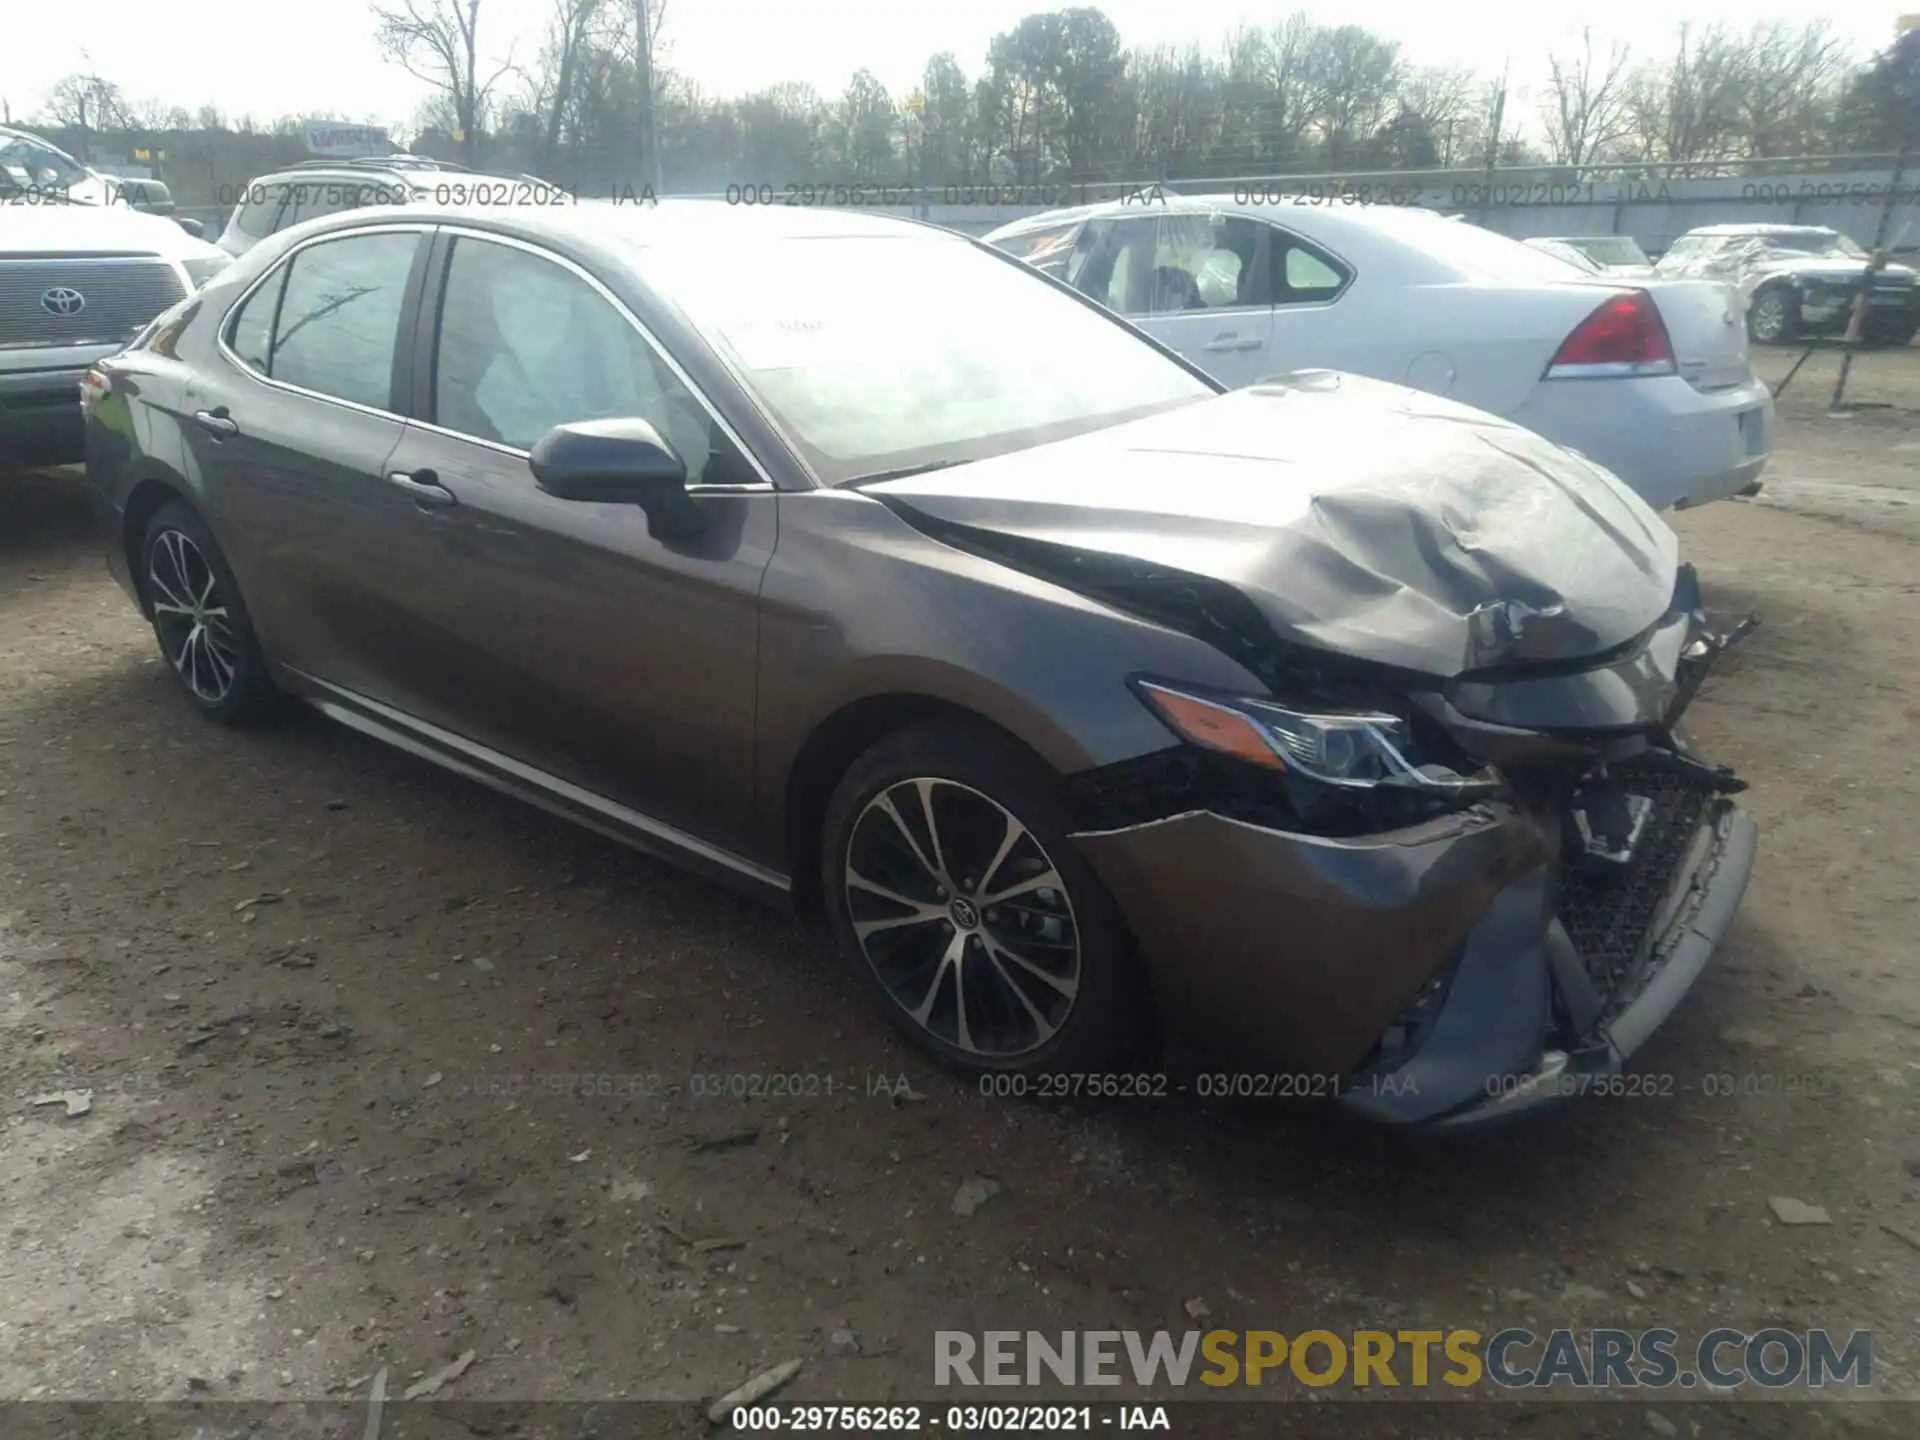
390	167
639	225
1760	230
1334	216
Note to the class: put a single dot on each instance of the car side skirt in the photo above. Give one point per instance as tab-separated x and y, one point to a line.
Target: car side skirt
537	787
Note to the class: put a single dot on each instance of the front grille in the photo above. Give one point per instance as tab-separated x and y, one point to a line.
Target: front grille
1608	914
118	294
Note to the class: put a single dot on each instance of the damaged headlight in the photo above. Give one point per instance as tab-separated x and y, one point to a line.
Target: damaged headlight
1354	750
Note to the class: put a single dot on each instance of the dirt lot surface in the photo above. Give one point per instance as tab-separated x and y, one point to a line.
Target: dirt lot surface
385	1068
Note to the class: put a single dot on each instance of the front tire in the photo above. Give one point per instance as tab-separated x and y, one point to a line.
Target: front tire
201	621
1773	318
955	894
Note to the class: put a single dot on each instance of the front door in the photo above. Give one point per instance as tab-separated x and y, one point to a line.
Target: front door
560	632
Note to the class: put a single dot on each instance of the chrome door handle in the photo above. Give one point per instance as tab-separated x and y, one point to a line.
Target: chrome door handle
424	486
1232	342
216	422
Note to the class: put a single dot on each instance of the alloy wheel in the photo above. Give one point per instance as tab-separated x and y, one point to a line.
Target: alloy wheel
1769	317
963	917
190	616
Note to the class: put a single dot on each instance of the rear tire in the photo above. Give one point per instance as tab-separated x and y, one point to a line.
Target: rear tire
200	619
954	892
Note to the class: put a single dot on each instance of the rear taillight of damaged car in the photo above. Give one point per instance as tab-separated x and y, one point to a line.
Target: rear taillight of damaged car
93	385
1623	337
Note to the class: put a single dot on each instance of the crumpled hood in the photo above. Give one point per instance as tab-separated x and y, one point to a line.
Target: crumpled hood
51	229
1833	269
1359	517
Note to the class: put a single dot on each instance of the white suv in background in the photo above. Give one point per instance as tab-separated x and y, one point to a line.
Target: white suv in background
37	170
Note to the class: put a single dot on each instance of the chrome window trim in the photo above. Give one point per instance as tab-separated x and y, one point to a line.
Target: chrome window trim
232	314
1124	216
1196	205
1310	244
652	343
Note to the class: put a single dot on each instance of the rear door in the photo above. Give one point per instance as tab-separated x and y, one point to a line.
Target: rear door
1307	285
1196	282
290	430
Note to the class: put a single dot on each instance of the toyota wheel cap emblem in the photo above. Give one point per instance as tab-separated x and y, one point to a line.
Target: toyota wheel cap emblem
63	301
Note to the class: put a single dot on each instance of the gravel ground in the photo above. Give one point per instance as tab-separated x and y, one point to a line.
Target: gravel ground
385	1068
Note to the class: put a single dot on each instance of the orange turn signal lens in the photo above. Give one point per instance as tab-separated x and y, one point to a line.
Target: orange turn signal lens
1215	726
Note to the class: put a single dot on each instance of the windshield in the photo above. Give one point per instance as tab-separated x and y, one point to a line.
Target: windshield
1614	250
1827	243
885	352
1561	250
33	165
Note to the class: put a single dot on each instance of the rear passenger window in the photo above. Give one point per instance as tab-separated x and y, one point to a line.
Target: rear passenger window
336	328
1303	275
250	333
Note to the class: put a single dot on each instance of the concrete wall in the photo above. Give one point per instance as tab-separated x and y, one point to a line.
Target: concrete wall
1524	204
1518	203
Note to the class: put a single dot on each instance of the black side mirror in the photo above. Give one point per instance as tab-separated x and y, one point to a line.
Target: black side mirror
618	462
192	226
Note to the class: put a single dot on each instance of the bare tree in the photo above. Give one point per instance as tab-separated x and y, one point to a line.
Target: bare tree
1440	99
1585	107
1687	107
438	41
85	104
1175	97
1790	85
1351	73
570	28
1270	97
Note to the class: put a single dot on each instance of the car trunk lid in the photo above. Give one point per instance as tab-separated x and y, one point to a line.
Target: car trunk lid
1708	331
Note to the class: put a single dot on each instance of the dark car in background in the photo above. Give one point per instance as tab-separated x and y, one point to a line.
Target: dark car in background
1331	723
1799	280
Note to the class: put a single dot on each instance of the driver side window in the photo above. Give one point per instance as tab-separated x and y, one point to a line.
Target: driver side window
525	344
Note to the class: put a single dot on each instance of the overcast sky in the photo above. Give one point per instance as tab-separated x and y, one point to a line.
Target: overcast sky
268	58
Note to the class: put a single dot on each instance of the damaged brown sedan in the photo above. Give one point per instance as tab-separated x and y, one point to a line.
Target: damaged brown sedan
851	562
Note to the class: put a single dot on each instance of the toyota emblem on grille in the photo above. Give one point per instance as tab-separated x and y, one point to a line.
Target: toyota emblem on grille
61	300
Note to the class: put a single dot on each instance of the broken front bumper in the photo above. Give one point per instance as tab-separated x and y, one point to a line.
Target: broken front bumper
1296	954
1482	965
